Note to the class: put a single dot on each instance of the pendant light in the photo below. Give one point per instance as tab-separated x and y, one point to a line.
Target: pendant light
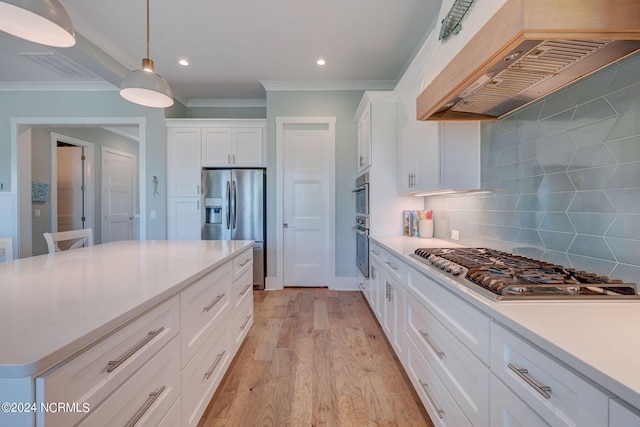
41	21
145	86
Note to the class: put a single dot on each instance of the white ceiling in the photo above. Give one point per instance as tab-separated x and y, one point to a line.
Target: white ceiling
234	45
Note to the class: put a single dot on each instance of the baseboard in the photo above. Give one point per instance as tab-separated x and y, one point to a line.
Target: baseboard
346	284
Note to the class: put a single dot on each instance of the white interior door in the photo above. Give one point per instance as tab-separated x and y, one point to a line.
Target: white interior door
306	207
118	171
70	188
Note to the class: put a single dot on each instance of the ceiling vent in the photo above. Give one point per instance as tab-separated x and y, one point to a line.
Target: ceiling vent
60	65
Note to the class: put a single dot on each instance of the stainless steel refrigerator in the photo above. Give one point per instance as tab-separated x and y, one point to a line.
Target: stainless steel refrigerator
234	201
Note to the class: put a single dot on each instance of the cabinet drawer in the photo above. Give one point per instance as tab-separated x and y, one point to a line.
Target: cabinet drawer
201	376
507	410
91	376
242	263
464	376
242	321
173	418
242	288
394	266
464	321
442	408
146	397
375	253
203	305
559	396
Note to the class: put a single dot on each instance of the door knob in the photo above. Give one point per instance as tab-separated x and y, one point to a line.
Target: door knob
285	225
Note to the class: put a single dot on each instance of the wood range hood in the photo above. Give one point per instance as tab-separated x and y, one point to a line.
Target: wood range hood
527	50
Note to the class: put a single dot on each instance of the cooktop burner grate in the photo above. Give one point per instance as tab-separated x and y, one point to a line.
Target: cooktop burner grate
511	276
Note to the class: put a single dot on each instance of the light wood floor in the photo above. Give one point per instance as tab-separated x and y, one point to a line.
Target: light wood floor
314	357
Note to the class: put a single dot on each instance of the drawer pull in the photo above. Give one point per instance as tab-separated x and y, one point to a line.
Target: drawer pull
425	387
244	325
390	264
246	288
433	346
153	396
113	364
523	373
213	367
246	261
214	302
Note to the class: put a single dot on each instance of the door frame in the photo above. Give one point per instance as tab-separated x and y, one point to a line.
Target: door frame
281	122
89	183
17	177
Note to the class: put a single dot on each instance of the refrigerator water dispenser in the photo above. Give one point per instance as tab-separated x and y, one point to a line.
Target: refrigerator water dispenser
213	207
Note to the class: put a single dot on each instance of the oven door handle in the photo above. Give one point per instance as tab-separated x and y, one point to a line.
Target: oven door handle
363	187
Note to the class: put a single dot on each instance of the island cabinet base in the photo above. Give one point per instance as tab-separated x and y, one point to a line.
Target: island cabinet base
158	368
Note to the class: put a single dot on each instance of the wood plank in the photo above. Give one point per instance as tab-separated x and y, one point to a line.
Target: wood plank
314	357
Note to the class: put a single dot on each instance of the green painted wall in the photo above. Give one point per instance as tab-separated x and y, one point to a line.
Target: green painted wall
342	105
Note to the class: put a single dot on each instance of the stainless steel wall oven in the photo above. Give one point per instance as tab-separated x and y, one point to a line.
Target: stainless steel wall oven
362	223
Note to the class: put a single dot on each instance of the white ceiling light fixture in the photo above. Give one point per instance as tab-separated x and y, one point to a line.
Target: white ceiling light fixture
321	62
145	86
40	21
183	62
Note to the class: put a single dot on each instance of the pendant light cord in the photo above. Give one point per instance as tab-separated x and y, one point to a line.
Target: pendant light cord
148	29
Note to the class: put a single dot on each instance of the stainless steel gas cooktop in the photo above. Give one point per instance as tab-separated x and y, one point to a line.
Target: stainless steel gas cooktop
504	276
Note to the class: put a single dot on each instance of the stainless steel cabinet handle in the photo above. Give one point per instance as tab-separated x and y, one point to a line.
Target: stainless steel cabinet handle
214	302
244	325
213	367
234	159
433	345
198	205
387	289
197	189
373	273
246	261
246	288
153	396
113	364
375	252
229	158
361	160
425	387
523	373
390	264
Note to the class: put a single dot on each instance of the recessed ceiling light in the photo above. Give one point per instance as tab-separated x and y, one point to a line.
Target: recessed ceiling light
321	62
183	62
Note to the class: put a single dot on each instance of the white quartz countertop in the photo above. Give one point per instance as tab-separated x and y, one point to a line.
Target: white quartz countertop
596	338
54	305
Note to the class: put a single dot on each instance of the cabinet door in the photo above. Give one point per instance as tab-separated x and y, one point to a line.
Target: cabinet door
460	155
183	162
622	415
216	147
247	147
395	318
427	156
364	141
184	218
507	410
376	281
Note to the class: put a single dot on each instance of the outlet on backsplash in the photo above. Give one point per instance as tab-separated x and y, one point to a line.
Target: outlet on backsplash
455	234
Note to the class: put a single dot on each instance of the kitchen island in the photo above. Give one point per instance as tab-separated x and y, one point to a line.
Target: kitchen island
58	309
578	346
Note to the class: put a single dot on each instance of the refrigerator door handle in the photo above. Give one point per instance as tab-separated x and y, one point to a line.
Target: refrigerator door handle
228	203
235	213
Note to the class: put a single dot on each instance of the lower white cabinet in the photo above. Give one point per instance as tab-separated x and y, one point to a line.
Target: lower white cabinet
507	410
204	372
242	321
146	397
442	408
556	394
622	415
184	218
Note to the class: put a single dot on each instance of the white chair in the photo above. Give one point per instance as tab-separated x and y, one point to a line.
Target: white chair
6	248
76	238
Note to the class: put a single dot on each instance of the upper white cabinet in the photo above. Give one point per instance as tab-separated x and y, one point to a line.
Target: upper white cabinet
364	140
233	147
183	162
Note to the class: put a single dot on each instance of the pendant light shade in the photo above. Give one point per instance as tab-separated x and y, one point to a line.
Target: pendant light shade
145	86
41	21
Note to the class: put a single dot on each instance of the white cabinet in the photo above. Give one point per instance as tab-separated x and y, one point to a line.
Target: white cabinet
183	183
557	395
439	156
233	147
376	118
364	140
508	410
622	415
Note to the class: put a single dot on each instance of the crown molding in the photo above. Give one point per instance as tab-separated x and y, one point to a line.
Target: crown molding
59	86
227	103
272	85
